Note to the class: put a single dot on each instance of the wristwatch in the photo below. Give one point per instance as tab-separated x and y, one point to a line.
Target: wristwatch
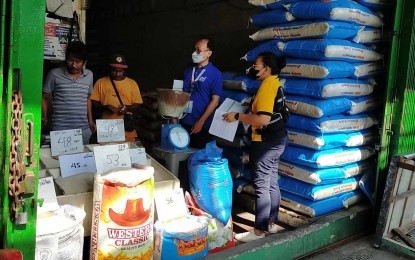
237	116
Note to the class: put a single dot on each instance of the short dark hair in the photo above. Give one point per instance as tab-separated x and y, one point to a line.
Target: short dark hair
210	42
77	49
276	63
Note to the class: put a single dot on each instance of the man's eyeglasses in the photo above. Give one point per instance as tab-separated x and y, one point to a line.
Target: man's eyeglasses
199	51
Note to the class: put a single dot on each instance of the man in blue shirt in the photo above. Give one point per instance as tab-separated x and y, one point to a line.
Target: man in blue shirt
204	83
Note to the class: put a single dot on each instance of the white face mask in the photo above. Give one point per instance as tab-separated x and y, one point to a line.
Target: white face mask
197	58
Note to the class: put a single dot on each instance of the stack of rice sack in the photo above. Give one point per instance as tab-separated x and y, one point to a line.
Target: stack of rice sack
329	90
149	123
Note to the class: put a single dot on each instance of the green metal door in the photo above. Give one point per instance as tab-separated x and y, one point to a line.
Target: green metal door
21	62
398	127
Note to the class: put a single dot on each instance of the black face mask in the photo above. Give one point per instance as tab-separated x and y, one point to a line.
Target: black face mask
252	73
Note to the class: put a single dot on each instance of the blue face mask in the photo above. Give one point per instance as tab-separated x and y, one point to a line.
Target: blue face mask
197	58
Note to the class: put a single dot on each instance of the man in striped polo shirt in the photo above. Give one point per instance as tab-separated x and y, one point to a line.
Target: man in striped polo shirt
70	87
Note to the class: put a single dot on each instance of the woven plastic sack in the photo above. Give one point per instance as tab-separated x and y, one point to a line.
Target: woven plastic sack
329	49
364	70
316	108
341	123
313	192
338	10
236	95
377	4
271	4
211	182
320	207
368	35
307	29
314	69
270	17
328	88
268	46
323	176
250	86
335	157
363	104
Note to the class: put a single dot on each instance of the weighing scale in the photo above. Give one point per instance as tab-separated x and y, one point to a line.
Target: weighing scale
171	107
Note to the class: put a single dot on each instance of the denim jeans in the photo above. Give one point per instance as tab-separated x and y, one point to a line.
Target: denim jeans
264	158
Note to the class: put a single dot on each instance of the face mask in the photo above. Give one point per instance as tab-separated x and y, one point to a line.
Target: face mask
197	58
252	73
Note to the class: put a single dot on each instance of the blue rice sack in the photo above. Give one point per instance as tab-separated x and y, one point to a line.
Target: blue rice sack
227	75
239	184
271	4
335	157
338	10
211	182
236	95
307	30
329	49
250	86
316	108
363	104
271	17
341	123
368	185
181	239
323	176
328	88
369	35
313	192
364	70
314	69
320	207
320	141
268	46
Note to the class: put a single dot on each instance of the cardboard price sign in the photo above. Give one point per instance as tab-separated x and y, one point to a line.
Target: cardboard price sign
108	157
66	142
170	206
73	164
138	156
110	130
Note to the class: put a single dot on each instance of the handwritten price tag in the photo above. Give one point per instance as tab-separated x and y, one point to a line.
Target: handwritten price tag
111	130
170	205
77	163
138	155
108	157
66	142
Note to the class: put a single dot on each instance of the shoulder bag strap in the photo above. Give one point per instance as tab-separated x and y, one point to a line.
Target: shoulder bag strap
116	91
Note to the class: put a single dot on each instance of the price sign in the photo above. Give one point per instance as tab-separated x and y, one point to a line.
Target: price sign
66	142
46	191
108	157
110	130
170	205
138	156
73	164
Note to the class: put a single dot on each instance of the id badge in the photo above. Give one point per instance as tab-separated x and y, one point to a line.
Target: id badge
189	107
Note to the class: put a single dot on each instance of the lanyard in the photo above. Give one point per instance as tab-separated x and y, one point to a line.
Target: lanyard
198	77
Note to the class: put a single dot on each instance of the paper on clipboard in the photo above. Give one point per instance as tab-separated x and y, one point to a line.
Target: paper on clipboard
220	127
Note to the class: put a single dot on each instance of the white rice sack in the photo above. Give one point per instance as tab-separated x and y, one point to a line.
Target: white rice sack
363	104
323	176
339	10
271	4
341	123
316	108
320	141
327	158
320	207
307	29
314	69
328	88
329	49
313	192
364	70
369	35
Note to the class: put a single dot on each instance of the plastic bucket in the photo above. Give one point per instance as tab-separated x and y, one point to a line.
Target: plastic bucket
172	102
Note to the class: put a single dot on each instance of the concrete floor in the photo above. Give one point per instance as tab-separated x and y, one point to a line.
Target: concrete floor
357	249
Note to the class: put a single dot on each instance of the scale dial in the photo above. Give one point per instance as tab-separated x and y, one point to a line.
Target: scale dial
179	137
